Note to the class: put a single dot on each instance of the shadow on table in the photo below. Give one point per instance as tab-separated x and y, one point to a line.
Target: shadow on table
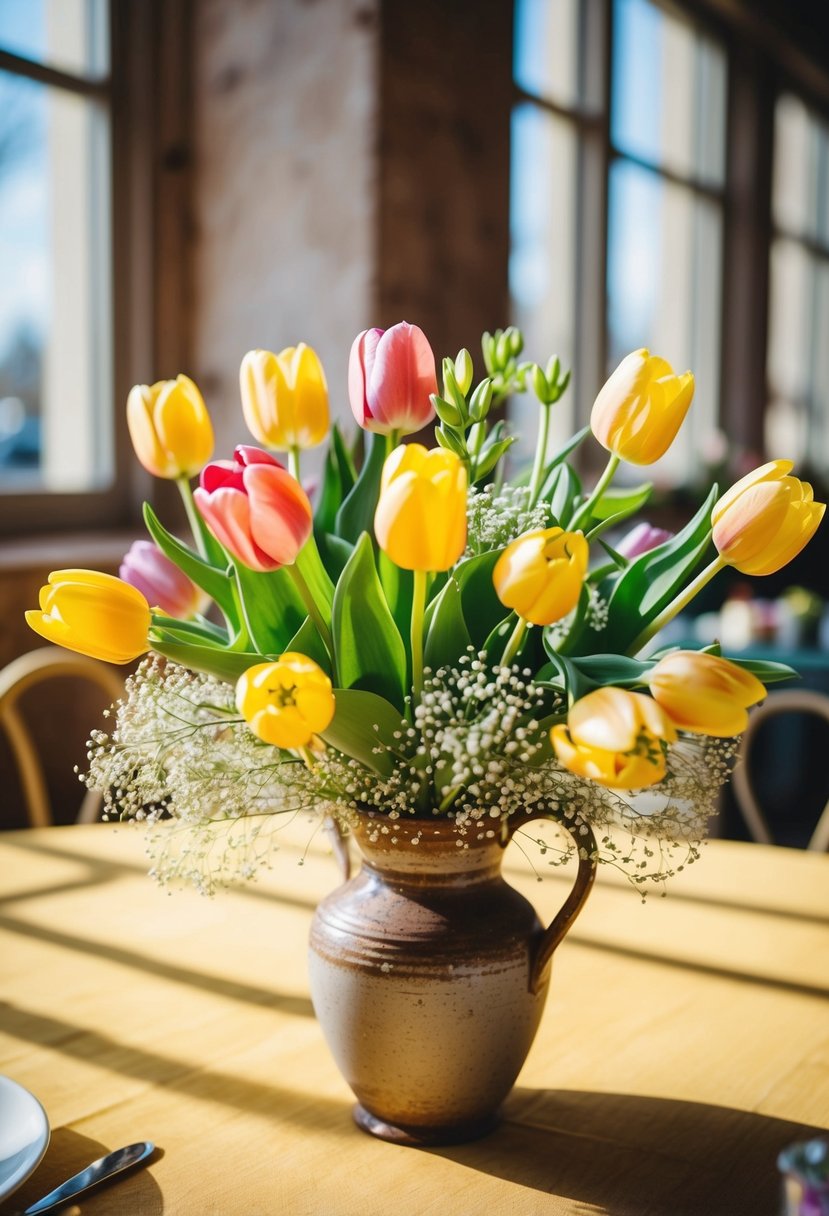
133	1194
634	1156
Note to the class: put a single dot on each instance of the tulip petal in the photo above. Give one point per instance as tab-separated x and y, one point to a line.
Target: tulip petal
280	513
227	514
401	379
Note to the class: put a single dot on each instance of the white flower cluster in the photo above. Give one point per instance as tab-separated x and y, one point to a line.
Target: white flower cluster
495	516
475	750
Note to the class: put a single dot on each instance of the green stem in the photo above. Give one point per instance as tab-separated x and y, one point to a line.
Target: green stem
197	524
293	462
514	642
540	454
676	605
418	610
243	641
314	612
604	481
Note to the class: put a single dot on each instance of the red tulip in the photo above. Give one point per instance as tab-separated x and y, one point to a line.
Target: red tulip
253	505
391	376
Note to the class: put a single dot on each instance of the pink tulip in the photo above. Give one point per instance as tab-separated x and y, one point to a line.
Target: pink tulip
391	375
160	581
255	508
642	539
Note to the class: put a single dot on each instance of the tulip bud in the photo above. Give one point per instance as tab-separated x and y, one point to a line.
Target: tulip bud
641	407
704	693
615	738
286	703
541	574
94	614
642	539
463	370
285	397
169	427
765	520
160	581
420	522
391	377
481	401
255	508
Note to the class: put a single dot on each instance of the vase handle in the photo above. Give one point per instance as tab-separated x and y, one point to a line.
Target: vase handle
573	904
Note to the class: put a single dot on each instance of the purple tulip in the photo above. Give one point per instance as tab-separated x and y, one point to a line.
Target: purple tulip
642	539
160	581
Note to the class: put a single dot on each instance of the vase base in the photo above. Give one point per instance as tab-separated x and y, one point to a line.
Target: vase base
423	1137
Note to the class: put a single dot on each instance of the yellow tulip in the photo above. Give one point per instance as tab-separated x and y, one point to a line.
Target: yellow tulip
641	407
285	397
615	738
170	427
94	614
704	693
541	574
286	703
764	520
420	522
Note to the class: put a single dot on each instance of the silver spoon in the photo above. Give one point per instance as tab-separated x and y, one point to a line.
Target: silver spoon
112	1163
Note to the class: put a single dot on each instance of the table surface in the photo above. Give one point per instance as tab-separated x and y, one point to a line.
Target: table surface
685	1041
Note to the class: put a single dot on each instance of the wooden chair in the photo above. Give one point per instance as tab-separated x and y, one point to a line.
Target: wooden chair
802	701
48	663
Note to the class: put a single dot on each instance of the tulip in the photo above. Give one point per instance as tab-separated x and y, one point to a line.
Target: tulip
160	581
642	539
541	574
391	379
615	738
170	427
420	521
285	397
286	703
764	520
253	505
703	693
94	614
641	407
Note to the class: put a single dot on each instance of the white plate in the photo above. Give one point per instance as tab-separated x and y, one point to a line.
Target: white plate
24	1135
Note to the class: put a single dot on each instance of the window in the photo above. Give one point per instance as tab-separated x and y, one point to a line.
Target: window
797	417
648	136
56	426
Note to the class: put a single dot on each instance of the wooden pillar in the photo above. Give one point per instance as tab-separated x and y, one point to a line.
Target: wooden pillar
443	172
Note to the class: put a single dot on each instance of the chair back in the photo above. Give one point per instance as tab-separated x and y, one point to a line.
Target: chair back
791	701
23	673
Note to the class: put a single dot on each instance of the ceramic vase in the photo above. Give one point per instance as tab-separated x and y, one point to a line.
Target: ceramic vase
429	975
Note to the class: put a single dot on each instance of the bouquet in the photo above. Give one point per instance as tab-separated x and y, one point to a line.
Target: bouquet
438	635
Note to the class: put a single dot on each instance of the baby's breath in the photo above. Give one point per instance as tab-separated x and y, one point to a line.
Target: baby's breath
475	750
497	516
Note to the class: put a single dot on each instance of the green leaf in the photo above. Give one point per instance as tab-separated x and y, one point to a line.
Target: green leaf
361	721
482	610
334	552
652	580
765	670
496	642
574	683
398	588
309	563
224	664
190	631
616	669
272	607
356	515
564	488
559	457
619	503
331	494
215	582
369	649
307	641
448	636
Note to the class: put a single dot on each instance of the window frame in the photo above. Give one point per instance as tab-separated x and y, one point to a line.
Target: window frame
147	90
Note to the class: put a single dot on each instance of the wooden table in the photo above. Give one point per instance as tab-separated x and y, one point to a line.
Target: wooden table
684	1043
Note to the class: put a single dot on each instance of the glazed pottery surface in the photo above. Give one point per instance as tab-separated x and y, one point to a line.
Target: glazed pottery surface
429	975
